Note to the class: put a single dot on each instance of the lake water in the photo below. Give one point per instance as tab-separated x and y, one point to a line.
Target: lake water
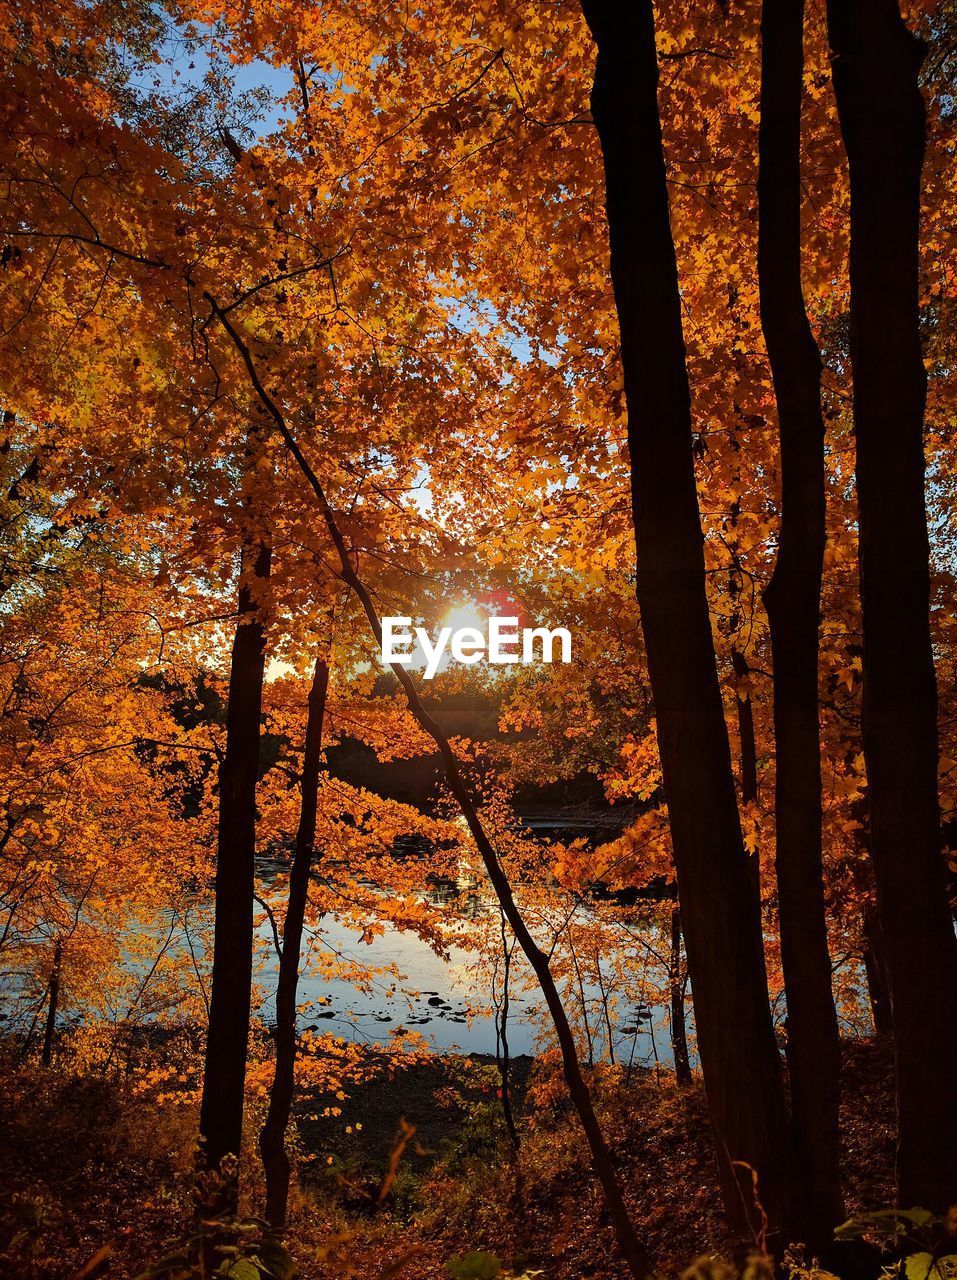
446	1001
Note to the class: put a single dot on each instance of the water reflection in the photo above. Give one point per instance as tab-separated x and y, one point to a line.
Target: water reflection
444	1000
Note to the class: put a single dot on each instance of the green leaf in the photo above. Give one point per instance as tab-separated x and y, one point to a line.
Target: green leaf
919	1266
886	1222
916	1217
241	1269
275	1260
923	1266
474	1266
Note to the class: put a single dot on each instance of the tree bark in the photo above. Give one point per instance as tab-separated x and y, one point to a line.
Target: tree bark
502	1055
875	970
679	1036
272	1139
748	761
224	1078
49	1034
746	736
736	1042
793	603
875	69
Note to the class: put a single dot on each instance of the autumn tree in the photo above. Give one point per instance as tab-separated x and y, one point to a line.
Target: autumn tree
227	1037
792	599
402	285
876	62
272	1139
721	925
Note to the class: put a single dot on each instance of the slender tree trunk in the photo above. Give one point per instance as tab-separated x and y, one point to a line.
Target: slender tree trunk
49	1033
749	746
221	1114
749	760
272	1139
793	602
679	1036
872	937
875	67
739	1056
502	1054
582	1001
875	970
949	841
606	1012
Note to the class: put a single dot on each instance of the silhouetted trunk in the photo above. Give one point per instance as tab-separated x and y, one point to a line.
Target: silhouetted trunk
583	1003
793	602
875	68
739	1056
749	746
949	841
749	759
679	1037
502	1055
221	1115
272	1139
875	969
49	1033
605	1010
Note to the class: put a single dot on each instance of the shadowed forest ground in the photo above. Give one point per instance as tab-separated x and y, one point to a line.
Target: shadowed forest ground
84	1165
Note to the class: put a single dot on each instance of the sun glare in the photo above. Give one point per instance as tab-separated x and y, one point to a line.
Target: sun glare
466	615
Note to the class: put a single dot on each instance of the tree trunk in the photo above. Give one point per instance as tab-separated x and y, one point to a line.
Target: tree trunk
749	759
793	602
749	746
875	970
736	1042
224	1078
49	1033
272	1139
502	1055
875	67
679	1037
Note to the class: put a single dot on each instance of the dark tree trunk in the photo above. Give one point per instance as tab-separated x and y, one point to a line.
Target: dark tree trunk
605	1011
224	1078
49	1033
875	969
739	1056
793	602
749	759
679	1037
949	841
749	746
272	1139
875	67
502	1055
583	1002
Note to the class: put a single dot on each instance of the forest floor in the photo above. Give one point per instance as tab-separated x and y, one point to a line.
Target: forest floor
87	1165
